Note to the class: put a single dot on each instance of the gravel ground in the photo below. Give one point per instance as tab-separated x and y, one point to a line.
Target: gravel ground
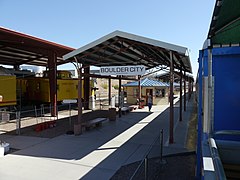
178	166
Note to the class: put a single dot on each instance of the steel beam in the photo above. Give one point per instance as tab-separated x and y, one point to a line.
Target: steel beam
53	82
171	139
78	121
119	97
109	91
86	88
185	94
139	91
180	109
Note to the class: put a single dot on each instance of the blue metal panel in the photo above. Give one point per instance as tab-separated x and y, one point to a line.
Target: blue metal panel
226	64
205	62
199	143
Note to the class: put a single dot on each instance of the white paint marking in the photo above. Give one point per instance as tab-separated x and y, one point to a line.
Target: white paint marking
208	164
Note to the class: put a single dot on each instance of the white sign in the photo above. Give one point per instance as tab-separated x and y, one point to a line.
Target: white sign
122	70
69	101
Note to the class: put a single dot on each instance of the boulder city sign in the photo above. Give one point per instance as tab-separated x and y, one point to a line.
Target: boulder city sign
122	70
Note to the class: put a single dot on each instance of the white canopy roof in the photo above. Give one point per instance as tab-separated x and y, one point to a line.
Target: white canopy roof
121	48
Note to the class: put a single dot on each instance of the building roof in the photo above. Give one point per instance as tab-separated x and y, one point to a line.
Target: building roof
17	48
122	49
166	77
147	83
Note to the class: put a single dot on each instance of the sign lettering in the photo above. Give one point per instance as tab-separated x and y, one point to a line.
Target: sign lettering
122	70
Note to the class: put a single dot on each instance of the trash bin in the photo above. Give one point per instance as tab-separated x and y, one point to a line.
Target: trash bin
112	114
141	104
5	116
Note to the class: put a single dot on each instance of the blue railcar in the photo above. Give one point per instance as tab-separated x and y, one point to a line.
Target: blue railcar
218	151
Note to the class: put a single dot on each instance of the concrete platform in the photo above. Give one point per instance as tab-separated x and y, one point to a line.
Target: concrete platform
96	154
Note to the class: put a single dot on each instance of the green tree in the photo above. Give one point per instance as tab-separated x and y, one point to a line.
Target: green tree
104	86
115	86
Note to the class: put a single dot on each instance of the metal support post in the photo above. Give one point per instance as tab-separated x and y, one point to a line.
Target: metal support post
53	81
86	85
36	115
18	123
70	117
78	122
109	91
162	161
139	92
171	100
185	94
180	109
119	97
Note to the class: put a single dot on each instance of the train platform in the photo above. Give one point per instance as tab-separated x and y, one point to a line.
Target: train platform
98	153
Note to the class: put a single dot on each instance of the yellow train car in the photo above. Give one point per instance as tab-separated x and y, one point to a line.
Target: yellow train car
21	88
7	90
37	88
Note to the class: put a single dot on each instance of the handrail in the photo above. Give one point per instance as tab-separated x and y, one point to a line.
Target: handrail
219	170
146	155
227	132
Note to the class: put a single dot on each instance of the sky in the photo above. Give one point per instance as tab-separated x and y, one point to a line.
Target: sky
75	23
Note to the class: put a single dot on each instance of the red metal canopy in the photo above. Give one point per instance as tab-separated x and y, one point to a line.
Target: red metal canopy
18	48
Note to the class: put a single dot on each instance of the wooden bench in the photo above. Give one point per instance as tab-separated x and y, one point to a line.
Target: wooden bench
94	122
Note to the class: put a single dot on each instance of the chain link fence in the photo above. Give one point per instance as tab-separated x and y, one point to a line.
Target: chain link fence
39	117
15	121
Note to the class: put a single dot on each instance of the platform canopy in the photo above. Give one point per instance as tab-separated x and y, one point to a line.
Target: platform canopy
166	76
146	83
225	24
122	49
18	48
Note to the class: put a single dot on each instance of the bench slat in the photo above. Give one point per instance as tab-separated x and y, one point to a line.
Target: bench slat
97	122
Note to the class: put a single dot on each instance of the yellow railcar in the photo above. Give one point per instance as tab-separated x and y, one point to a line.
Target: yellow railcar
7	90
30	89
37	88
21	88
